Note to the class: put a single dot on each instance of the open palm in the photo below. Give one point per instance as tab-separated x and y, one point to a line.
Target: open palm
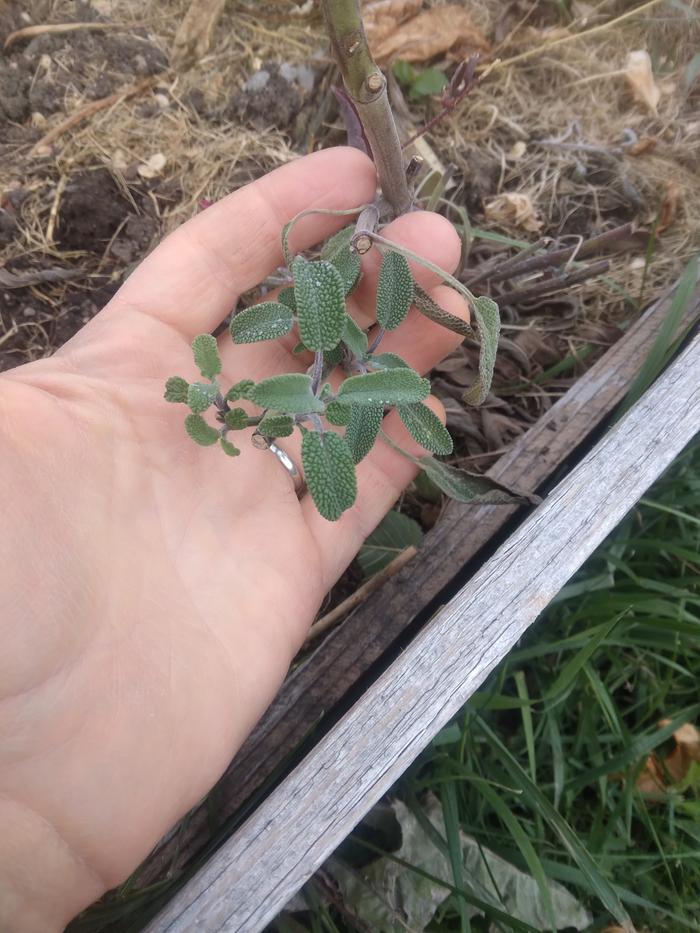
154	592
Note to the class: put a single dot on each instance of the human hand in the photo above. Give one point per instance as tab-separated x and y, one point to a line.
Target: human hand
153	592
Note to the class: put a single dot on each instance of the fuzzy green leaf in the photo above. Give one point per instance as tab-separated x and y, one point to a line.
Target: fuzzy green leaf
239	390
320	297
363	428
206	355
332	357
347	261
265	321
330	472
290	394
176	389
394	290
276	425
200	395
469	487
228	448
338	413
354	338
286	297
236	419
426	428
488	322
388	361
388	387
201	432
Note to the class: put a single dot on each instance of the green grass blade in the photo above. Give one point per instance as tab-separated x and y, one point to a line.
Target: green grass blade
602	888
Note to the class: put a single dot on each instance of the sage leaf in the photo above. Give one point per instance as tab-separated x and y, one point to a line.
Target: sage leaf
286	297
265	321
201	432
236	419
432	310
394	290
488	322
347	261
228	448
200	395
338	413
290	393
206	355
388	387
469	487
354	338
329	471
176	389
276	425
388	361
425	427
320	298
332	357
363	428
239	390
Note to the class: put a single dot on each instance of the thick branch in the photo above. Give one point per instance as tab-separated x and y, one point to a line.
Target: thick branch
366	86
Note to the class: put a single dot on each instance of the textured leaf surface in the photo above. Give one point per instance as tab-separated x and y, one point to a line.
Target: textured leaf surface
200	396
388	361
432	310
425	427
320	297
239	390
330	473
394	290
347	261
354	338
176	389
206	355
228	448
363	428
488	322
468	487
265	321
276	425
290	393
236	419
388	387
201	432
338	413
286	297
394	534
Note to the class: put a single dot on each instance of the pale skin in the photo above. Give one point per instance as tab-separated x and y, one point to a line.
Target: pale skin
153	593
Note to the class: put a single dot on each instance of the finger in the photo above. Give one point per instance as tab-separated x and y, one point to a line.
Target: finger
423	232
381	477
193	279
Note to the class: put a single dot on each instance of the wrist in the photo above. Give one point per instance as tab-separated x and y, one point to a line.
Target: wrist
43	882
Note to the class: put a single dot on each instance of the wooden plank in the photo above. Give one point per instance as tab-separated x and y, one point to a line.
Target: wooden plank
349	652
268	860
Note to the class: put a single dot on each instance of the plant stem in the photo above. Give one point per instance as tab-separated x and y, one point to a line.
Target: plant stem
366	86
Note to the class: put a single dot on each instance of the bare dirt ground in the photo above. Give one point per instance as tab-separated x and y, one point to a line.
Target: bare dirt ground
556	142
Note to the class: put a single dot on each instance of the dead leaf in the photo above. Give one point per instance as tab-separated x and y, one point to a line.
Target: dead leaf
35	277
153	166
395	31
669	206
514	209
643	145
640	79
658	774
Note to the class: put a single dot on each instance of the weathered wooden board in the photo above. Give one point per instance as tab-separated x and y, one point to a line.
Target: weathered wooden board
348	653
290	834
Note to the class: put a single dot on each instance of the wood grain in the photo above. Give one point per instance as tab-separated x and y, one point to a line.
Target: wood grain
253	875
463	531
